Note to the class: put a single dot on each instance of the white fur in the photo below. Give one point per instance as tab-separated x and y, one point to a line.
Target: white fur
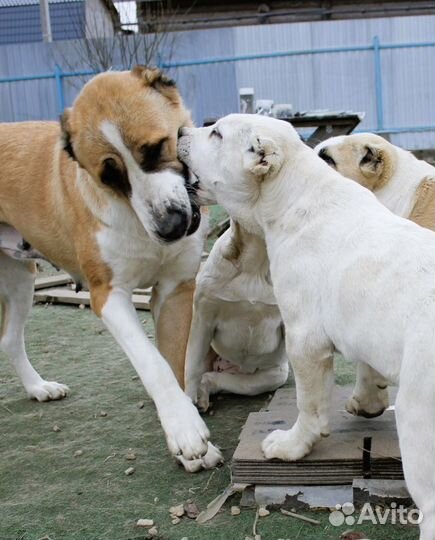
348	275
235	317
398	194
16	298
185	431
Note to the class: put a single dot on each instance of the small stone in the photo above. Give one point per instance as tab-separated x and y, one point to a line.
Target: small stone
192	511
153	531
129	471
82	306
145	523
141	404
156	499
176	521
130	456
257	537
263	511
177	511
56	429
184	538
78	453
211	413
235	510
135	378
103	413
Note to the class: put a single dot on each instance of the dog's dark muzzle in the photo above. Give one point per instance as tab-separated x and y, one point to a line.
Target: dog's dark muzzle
173	225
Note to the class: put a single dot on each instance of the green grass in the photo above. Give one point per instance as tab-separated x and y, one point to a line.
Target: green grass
46	490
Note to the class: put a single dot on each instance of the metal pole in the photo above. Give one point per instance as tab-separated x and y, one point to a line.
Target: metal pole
59	85
45	21
378	84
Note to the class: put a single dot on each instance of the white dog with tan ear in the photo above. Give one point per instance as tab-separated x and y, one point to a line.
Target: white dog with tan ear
347	274
406	186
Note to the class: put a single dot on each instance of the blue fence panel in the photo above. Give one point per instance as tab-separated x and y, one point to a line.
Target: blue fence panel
391	78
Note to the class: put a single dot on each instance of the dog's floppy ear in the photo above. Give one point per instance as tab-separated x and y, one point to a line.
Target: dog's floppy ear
155	78
66	137
232	251
267	157
376	165
372	163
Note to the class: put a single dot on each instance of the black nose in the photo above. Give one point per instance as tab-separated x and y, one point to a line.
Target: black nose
173	225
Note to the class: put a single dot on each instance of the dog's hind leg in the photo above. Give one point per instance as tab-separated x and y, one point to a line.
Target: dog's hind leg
370	395
415	416
244	384
16	296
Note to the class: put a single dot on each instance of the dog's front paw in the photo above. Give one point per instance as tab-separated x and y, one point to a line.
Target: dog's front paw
285	445
205	390
186	432
212	459
371	405
47	390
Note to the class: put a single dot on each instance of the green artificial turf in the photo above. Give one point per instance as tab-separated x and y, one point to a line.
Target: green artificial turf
46	491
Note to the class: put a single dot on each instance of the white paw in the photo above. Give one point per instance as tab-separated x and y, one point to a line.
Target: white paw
368	406
186	432
285	445
205	388
212	459
47	390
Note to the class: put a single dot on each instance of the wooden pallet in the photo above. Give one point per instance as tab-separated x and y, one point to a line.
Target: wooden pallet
49	291
335	460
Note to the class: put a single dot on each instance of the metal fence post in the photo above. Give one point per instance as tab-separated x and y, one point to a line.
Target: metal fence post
59	86
378	84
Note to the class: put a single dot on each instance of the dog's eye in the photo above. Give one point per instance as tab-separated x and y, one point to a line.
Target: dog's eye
216	133
114	176
151	155
251	149
327	158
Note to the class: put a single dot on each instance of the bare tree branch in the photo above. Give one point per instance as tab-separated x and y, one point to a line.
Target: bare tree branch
107	46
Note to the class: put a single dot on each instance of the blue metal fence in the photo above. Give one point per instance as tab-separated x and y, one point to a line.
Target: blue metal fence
376	47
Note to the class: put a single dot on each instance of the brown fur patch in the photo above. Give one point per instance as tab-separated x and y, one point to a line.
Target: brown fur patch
423	211
173	327
387	170
155	78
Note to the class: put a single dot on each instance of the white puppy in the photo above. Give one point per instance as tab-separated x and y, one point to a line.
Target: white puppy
347	273
235	320
405	185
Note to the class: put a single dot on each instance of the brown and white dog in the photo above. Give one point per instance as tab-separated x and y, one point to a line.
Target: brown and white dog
104	197
406	186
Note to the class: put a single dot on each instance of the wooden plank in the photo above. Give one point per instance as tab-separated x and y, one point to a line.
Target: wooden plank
334	460
68	296
52	281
